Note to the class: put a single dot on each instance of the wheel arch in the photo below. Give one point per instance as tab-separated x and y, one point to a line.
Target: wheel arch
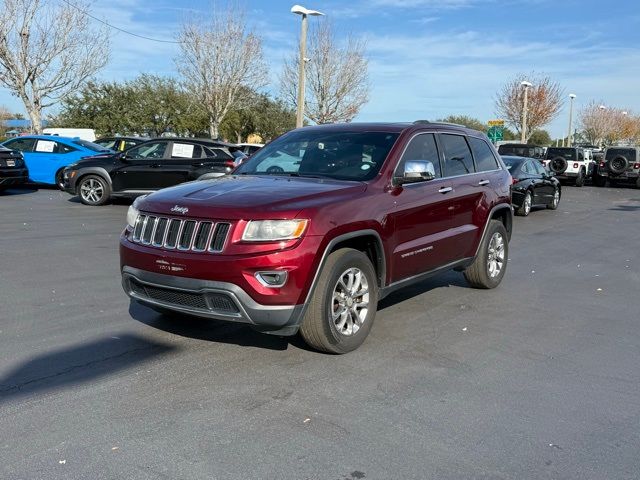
83	172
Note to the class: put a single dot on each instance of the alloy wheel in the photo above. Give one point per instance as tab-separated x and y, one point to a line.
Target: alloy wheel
556	198
527	203
495	257
350	301
91	190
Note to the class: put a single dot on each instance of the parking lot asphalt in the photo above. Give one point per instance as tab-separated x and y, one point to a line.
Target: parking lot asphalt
539	378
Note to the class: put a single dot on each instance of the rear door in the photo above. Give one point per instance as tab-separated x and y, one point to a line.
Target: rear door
48	157
182	159
421	216
468	194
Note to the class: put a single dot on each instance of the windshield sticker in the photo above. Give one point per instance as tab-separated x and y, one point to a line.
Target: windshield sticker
365	167
45	146
182	150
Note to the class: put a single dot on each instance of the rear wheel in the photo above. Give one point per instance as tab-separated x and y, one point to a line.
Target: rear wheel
525	208
580	179
343	305
94	190
599	181
60	179
490	264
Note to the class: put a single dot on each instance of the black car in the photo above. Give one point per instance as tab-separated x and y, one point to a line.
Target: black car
532	185
147	167
521	150
120	144
13	170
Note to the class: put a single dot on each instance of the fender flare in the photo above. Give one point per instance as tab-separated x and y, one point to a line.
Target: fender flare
83	172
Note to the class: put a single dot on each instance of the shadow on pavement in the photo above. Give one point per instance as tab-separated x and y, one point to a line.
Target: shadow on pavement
445	279
211	330
21	190
79	364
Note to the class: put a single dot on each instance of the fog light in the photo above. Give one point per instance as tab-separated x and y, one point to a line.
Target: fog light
272	279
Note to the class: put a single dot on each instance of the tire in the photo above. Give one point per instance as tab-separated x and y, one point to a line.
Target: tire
344	334
60	179
599	181
479	274
618	164
580	179
525	208
94	190
638	182
558	165
556	199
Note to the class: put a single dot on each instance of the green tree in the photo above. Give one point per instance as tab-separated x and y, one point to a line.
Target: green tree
266	117
540	137
148	105
467	121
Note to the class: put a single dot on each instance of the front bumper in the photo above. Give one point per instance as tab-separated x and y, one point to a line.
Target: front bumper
69	181
209	299
13	176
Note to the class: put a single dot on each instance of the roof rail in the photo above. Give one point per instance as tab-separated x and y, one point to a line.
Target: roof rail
427	122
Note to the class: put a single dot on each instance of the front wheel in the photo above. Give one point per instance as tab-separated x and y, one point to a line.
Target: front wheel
490	264
555	201
343	305
94	190
525	208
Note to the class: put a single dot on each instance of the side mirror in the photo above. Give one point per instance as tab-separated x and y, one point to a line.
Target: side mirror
418	171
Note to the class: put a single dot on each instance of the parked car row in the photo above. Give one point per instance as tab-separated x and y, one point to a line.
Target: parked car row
118	166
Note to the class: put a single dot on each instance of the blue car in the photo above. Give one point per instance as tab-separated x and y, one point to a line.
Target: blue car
46	156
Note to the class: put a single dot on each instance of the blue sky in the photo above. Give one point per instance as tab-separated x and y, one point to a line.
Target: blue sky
428	58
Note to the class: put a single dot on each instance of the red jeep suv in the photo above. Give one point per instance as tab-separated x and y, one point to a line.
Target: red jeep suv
319	225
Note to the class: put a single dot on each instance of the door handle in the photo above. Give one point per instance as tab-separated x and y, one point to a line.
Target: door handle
445	189
483	182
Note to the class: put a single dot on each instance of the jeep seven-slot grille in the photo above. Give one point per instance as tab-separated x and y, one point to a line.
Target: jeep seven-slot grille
180	234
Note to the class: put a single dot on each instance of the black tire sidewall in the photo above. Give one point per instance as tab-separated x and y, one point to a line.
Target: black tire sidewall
352	258
60	179
580	179
615	170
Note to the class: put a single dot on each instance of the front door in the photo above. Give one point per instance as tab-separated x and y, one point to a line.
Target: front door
422	216
140	166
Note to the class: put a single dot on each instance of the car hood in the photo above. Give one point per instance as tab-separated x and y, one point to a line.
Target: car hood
99	159
242	197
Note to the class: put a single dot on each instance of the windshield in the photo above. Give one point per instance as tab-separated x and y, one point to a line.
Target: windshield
314	153
568	153
630	153
91	146
520	151
106	143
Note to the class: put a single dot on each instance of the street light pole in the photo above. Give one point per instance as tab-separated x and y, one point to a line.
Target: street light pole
304	13
571	97
526	86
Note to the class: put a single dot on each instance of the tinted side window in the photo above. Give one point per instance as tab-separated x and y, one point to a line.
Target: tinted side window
482	153
421	147
148	150
21	144
580	155
457	156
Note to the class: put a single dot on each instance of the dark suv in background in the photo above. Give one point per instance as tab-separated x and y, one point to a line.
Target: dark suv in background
13	170
317	226
619	165
146	167
521	150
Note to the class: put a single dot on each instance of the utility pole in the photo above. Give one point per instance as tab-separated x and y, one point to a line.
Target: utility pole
571	97
526	86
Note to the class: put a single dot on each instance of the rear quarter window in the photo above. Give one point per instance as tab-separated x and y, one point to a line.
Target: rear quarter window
485	160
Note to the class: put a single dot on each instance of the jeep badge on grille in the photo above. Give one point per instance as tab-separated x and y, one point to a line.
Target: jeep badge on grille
179	209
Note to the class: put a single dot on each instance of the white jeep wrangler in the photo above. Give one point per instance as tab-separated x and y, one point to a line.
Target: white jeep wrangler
571	164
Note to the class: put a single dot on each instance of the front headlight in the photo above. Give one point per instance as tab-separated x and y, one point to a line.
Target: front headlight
133	212
273	230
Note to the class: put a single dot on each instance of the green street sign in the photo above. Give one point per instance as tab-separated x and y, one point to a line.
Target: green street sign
495	133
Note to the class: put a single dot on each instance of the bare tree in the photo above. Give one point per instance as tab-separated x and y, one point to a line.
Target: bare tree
337	79
47	52
544	101
220	60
